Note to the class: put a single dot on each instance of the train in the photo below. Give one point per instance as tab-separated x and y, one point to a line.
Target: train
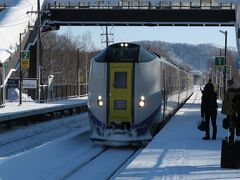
131	91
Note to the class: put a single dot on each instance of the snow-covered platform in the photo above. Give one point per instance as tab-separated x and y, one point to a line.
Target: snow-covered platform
12	110
178	151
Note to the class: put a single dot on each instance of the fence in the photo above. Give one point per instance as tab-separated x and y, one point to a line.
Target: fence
58	92
53	93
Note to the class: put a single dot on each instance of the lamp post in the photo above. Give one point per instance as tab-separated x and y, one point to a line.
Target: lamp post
20	69
78	73
38	51
86	56
225	61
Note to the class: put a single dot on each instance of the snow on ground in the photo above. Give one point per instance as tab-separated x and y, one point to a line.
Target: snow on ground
52	159
103	166
22	138
13	95
178	151
49	161
13	107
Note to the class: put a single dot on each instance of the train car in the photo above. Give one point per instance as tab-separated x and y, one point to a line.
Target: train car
132	90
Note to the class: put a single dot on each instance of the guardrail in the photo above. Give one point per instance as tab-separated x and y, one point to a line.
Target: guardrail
142	5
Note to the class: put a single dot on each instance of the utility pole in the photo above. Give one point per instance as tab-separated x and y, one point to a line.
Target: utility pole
225	62
107	37
38	93
20	69
78	74
86	75
219	75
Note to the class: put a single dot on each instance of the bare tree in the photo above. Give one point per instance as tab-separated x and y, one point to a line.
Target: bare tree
60	56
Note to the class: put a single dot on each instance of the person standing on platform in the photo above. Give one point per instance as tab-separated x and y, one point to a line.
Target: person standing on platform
209	109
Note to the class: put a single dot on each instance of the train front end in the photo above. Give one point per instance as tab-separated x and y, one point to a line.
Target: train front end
123	95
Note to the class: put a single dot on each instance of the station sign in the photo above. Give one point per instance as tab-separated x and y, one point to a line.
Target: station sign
219	61
25	56
29	83
25	63
5	65
228	72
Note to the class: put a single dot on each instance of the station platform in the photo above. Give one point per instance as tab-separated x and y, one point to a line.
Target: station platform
178	151
12	110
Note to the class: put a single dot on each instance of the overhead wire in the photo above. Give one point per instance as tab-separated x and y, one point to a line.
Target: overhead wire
115	33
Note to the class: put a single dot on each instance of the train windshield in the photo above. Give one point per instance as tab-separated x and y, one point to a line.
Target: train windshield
125	52
118	53
121	52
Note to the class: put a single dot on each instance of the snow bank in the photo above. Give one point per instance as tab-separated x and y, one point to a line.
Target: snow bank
13	95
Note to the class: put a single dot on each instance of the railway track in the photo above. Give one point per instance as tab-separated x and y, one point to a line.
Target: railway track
42	134
83	164
126	162
104	157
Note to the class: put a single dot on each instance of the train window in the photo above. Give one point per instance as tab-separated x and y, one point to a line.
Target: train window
146	56
101	56
120	80
122	54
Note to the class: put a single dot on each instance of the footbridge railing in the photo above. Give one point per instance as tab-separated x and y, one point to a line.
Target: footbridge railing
141	5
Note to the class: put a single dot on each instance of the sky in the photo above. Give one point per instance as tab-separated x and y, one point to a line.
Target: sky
190	35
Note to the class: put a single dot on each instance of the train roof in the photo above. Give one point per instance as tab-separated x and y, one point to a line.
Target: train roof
113	54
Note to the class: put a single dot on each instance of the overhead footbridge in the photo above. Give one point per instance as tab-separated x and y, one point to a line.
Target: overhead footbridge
56	13
143	13
137	13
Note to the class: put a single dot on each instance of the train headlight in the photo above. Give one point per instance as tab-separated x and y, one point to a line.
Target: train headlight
142	101
142	98
100	101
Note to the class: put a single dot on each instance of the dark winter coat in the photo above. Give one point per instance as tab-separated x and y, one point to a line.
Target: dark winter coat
209	100
231	101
